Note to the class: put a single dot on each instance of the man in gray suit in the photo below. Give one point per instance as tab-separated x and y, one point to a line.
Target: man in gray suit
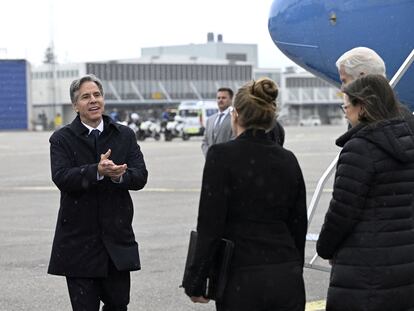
218	126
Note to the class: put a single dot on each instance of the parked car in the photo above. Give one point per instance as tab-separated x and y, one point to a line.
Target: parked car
310	121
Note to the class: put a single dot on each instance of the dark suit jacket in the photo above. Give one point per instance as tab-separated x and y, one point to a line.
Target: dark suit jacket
277	134
95	217
252	193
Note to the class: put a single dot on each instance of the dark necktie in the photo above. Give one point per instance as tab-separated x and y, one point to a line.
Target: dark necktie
95	134
217	126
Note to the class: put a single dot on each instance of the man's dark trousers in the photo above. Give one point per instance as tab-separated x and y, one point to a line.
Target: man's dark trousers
86	293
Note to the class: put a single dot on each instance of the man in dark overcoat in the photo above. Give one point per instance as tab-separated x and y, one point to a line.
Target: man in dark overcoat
94	163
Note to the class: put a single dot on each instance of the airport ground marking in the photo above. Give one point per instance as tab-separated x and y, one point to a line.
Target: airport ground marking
318	305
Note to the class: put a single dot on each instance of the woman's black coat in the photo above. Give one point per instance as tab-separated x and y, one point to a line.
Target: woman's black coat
253	193
369	228
95	217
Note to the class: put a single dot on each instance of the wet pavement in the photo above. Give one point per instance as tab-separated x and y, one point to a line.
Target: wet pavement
165	212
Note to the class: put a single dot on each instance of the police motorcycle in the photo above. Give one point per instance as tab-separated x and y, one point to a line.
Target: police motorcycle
175	129
149	129
134	124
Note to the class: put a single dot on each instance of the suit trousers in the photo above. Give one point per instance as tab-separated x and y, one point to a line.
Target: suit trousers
86	293
277	287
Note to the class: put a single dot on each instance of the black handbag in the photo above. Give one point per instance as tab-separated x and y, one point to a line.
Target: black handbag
215	283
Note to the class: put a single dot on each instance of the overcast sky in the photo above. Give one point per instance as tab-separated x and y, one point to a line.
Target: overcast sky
89	30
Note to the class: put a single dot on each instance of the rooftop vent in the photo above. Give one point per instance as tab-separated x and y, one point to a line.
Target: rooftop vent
210	37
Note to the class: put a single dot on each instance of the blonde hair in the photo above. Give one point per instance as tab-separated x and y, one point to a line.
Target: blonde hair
255	103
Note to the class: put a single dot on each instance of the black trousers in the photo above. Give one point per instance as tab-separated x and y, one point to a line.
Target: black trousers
86	293
265	288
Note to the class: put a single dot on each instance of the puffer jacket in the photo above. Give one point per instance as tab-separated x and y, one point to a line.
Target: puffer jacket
368	231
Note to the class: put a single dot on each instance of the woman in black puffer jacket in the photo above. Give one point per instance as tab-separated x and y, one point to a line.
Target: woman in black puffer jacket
368	233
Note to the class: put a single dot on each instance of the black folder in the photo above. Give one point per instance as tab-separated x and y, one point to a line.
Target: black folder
216	280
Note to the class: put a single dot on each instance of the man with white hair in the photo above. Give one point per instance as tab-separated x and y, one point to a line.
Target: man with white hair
358	62
362	61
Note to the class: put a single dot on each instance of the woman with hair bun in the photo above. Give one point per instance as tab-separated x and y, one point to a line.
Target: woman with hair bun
253	194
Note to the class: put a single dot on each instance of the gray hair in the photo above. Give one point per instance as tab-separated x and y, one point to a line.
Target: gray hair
361	61
76	84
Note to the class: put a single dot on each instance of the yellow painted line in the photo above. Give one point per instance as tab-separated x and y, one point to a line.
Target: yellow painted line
318	305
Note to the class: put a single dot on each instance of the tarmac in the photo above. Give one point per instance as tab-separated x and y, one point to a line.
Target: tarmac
165	213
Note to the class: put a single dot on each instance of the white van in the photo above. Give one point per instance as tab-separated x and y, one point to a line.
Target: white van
194	115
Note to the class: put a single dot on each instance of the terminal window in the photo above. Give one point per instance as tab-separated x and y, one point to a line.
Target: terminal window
236	56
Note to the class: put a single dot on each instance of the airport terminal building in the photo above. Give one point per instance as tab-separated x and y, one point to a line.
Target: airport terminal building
303	95
146	86
165	76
